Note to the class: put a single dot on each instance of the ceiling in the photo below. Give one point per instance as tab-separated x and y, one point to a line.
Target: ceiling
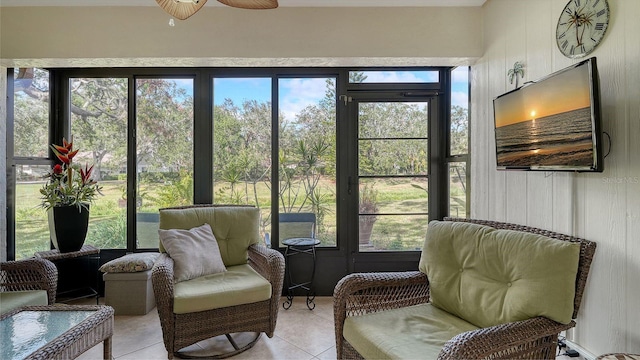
290	3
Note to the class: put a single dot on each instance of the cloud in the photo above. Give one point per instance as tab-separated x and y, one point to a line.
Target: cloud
460	74
296	94
186	84
460	98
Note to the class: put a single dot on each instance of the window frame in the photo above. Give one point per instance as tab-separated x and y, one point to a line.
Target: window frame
203	127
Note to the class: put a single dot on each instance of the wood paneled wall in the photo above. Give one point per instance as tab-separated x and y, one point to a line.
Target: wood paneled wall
601	207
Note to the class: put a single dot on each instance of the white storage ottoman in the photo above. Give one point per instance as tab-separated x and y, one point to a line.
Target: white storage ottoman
127	284
129	293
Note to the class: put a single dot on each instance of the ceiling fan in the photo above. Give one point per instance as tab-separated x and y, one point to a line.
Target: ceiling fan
183	9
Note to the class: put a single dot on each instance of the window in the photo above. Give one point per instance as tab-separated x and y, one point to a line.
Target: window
279	139
164	152
30	157
393	77
242	145
458	159
98	116
307	156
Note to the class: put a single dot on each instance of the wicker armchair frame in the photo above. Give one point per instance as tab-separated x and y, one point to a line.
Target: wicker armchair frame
30	274
535	338
182	330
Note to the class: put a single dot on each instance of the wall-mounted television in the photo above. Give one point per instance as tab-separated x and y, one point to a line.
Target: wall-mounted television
552	124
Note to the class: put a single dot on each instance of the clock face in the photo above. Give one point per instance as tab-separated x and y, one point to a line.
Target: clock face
582	26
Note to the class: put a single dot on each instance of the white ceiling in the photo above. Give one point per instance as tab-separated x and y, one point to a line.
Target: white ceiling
291	3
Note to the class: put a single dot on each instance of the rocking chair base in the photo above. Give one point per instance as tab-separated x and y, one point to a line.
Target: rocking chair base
242	342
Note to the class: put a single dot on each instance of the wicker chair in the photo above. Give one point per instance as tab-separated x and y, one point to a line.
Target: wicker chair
184	329
536	338
29	274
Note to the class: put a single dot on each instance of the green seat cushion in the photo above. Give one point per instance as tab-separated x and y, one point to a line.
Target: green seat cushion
413	332
14	299
489	277
235	228
238	285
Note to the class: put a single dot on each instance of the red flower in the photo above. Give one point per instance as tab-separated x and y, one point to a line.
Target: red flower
57	169
61	149
86	173
65	152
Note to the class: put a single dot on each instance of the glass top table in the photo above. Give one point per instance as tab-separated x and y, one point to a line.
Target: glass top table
55	332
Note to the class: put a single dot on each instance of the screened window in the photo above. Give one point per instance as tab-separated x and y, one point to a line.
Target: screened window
164	152
30	156
98	115
458	159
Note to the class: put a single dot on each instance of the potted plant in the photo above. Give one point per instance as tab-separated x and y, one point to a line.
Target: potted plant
368	204
66	196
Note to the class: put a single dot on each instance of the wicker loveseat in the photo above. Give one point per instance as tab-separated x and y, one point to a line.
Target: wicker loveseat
27	282
244	298
481	293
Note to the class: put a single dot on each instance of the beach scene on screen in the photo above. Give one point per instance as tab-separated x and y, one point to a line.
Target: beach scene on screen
546	123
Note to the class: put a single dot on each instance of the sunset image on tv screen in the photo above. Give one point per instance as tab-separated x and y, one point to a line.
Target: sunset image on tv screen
547	123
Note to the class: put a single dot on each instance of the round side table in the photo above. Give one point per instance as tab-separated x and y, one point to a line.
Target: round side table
300	246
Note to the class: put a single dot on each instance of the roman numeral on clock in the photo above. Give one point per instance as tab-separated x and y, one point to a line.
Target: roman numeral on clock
565	44
595	3
600	26
601	12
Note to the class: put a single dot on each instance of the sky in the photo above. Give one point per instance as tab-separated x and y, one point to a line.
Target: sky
566	91
298	93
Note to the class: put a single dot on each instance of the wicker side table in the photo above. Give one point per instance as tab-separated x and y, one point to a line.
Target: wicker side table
62	262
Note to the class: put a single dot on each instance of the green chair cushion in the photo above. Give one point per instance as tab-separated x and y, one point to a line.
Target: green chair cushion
14	299
240	284
413	332
235	228
490	277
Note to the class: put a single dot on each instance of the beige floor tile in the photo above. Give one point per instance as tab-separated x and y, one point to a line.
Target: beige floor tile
305	329
153	352
328	355
274	349
324	307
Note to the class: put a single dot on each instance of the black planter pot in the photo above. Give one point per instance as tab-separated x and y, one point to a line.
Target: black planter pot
68	227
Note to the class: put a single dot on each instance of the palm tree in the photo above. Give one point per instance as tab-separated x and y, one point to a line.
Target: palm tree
518	69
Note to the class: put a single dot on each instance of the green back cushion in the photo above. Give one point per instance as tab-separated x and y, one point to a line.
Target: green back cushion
235	228
490	277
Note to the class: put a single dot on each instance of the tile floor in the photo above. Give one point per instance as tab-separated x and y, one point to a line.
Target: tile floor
300	334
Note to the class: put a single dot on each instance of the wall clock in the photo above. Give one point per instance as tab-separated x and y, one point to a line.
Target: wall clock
581	27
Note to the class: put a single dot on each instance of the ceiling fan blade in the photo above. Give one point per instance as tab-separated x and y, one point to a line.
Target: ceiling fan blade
251	4
181	9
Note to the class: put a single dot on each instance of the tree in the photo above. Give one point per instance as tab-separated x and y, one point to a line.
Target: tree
99	121
459	130
31	115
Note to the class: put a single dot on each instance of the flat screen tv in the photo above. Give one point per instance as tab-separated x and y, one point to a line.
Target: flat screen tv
552	124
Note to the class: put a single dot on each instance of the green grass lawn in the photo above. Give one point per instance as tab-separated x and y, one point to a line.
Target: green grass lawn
107	228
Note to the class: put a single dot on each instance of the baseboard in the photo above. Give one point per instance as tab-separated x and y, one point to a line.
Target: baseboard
583	352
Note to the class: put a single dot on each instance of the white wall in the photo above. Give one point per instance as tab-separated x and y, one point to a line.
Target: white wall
125	36
604	208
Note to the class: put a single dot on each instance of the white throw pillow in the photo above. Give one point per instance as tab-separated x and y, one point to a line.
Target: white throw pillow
195	252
